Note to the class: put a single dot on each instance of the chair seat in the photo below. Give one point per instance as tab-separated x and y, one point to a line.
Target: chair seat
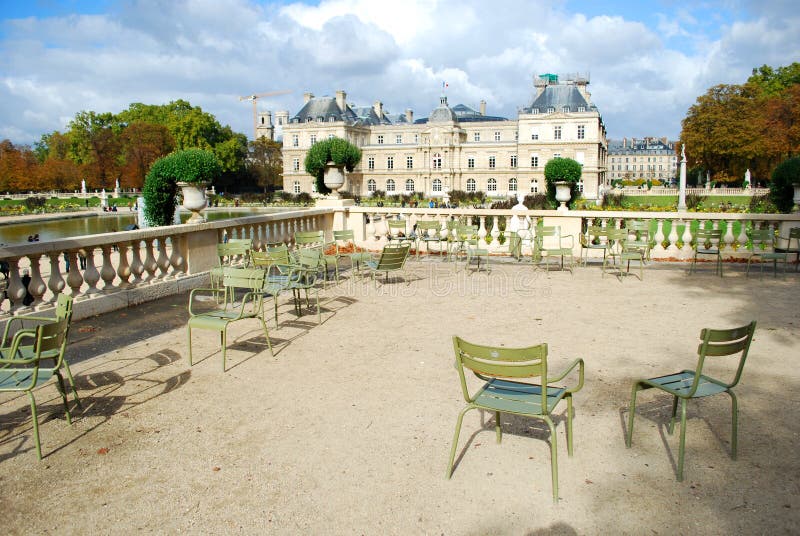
16	378
708	251
682	383
217	319
516	397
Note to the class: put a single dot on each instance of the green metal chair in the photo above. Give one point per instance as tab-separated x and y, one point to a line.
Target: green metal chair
707	242
474	249
639	237
618	250
397	230
232	309
549	242
689	384
346	240
63	310
392	259
763	244
304	277
429	233
499	367
233	253
794	234
316	239
21	368
595	237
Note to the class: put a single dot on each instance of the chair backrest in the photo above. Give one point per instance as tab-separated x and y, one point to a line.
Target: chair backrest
393	256
724	342
707	237
639	230
49	342
501	362
347	235
243	278
306	239
616	238
397	227
761	239
428	229
235	250
595	232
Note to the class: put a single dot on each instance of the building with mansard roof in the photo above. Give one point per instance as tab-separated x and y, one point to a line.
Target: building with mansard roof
642	158
454	148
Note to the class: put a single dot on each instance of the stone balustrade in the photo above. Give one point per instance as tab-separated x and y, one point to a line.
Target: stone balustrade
660	190
129	267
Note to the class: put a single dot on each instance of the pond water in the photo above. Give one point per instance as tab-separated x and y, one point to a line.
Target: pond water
17	233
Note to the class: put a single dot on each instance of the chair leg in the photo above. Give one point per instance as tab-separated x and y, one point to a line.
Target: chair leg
35	419
682	446
497	428
671	425
266	334
734	424
631	412
190	345
63	392
455	440
72	384
569	424
224	339
553	456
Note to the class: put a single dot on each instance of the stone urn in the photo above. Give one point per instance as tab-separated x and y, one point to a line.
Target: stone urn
333	178
194	199
563	195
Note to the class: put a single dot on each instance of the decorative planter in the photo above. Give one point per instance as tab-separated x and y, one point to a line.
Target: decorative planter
194	199
563	195
334	179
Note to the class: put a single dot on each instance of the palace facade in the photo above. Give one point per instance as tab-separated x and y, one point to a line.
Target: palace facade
642	158
454	148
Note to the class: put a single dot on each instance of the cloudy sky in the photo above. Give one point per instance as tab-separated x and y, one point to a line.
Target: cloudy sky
647	61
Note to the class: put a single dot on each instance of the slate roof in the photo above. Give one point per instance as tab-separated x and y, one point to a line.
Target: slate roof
460	113
557	97
323	108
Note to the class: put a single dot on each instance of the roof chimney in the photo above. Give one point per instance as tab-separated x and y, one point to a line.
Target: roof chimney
307	97
378	107
483	107
409	115
341	100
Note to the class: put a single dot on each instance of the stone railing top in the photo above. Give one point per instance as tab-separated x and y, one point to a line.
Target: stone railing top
95	240
624	214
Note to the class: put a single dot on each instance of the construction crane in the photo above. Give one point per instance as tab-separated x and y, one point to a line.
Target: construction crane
255	98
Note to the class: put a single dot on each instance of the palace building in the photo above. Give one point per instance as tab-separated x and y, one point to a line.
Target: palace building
642	158
454	148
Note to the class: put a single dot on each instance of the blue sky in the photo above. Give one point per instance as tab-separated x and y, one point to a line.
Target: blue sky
648	61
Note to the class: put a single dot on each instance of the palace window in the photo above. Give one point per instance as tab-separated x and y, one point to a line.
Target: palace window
534	161
296	164
295	140
372	185
371	162
398	139
471	162
410	185
497	135
380	139
313	139
581	108
491	161
534	186
534	133
550	109
476	136
491	185
389	162
581	132
470	185
513	160
296	187
390	185
512	185
436	163
437	185
557	132
409	162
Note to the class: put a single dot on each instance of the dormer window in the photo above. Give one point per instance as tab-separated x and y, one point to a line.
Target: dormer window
320	119
331	119
551	110
581	108
565	109
535	111
308	119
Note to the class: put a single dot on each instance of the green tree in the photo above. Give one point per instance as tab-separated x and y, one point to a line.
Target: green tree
95	143
142	144
562	169
774	81
337	150
781	188
265	164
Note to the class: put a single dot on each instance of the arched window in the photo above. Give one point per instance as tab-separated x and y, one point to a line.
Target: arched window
491	186
512	185
296	187
390	185
437	185
410	185
470	185
371	185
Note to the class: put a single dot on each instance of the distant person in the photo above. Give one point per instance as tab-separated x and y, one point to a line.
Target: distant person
114	208
87	202
26	280
36	237
30	238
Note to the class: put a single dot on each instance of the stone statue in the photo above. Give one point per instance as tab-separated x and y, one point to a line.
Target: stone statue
747	182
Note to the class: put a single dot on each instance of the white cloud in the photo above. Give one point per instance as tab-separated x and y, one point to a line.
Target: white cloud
212	51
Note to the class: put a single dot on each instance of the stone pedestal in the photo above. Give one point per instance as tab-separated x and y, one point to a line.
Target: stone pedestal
339	216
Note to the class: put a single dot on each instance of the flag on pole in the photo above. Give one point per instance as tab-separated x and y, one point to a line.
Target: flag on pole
445	85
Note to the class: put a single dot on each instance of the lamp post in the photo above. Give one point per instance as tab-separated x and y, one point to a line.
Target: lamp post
682	182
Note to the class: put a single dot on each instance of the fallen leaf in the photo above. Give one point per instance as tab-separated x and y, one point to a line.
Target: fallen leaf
86	329
588	481
215	469
102	450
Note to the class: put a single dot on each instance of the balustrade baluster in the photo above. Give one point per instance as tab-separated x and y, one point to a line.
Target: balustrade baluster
729	238
90	273
137	266
482	230
15	290
55	283
74	278
163	260
673	237
687	238
176	258
658	247
742	235
123	268
495	232
150	264
36	288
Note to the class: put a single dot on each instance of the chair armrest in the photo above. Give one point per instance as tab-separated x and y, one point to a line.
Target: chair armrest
212	291
10	352
571	240
569	369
